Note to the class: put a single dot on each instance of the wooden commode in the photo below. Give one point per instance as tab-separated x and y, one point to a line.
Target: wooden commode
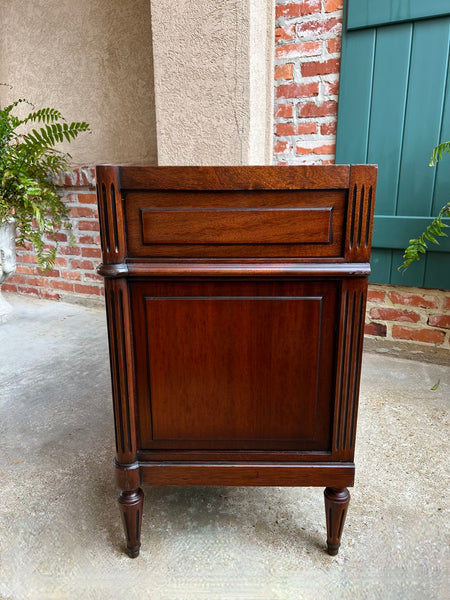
235	300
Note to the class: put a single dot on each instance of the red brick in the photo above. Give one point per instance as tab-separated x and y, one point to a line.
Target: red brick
378	329
58	237
39	281
394	314
91	252
52	273
298	9
88	226
324	149
431	336
70	250
29	258
25	270
18	279
70	199
82	211
61	262
319	27
447	303
297	90
285	33
331	88
299	50
28	290
82	264
61	285
332	5
50	294
310	109
291	129
284	111
439	321
284	71
376	295
94	277
311	69
86	289
282	147
334	45
328	128
88	199
71	275
89	239
9	287
424	301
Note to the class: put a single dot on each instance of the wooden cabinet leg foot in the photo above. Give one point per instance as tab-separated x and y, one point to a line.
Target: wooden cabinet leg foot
336	504
131	505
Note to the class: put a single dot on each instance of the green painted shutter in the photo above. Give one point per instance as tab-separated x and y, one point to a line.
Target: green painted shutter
394	107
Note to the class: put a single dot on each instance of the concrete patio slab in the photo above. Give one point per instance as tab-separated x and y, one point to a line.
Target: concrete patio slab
61	535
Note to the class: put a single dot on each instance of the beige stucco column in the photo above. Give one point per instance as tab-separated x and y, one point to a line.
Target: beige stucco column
213	81
93	62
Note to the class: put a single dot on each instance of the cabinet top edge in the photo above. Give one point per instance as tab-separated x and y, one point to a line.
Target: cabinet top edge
273	177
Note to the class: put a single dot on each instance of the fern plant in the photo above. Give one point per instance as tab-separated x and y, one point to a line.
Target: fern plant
29	161
418	246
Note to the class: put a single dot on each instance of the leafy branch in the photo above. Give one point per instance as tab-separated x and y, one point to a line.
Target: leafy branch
438	153
418	246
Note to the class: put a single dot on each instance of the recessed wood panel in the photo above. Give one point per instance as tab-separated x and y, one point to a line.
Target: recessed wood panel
234	370
236	226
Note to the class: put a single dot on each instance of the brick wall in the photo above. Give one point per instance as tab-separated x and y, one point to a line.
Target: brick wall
74	277
307	53
398	313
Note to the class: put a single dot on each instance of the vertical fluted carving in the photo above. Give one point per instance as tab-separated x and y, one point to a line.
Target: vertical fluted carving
360	214
111	217
122	380
349	360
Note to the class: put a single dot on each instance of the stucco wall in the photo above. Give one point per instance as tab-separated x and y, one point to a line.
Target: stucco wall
92	61
213	64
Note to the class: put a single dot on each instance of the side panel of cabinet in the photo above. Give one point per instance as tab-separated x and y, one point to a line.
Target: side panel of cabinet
235	365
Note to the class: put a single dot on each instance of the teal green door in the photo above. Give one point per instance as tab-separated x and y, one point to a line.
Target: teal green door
394	107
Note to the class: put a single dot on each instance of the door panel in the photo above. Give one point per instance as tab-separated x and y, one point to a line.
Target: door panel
247	387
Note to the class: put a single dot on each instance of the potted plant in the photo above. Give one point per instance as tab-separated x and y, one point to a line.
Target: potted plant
31	210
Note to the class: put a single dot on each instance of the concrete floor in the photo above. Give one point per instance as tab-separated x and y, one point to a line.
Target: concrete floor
61	536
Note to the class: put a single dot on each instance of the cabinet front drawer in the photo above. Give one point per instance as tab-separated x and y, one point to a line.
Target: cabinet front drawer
288	223
236	226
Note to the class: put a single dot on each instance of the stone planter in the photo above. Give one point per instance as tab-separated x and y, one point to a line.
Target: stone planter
7	262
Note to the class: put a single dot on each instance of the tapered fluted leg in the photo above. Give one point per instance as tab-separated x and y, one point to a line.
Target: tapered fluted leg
336	504
131	505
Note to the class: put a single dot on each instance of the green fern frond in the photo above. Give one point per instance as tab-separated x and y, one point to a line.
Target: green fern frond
44	115
438	153
419	245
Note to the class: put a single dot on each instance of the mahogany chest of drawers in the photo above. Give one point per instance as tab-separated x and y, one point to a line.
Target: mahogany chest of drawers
235	303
